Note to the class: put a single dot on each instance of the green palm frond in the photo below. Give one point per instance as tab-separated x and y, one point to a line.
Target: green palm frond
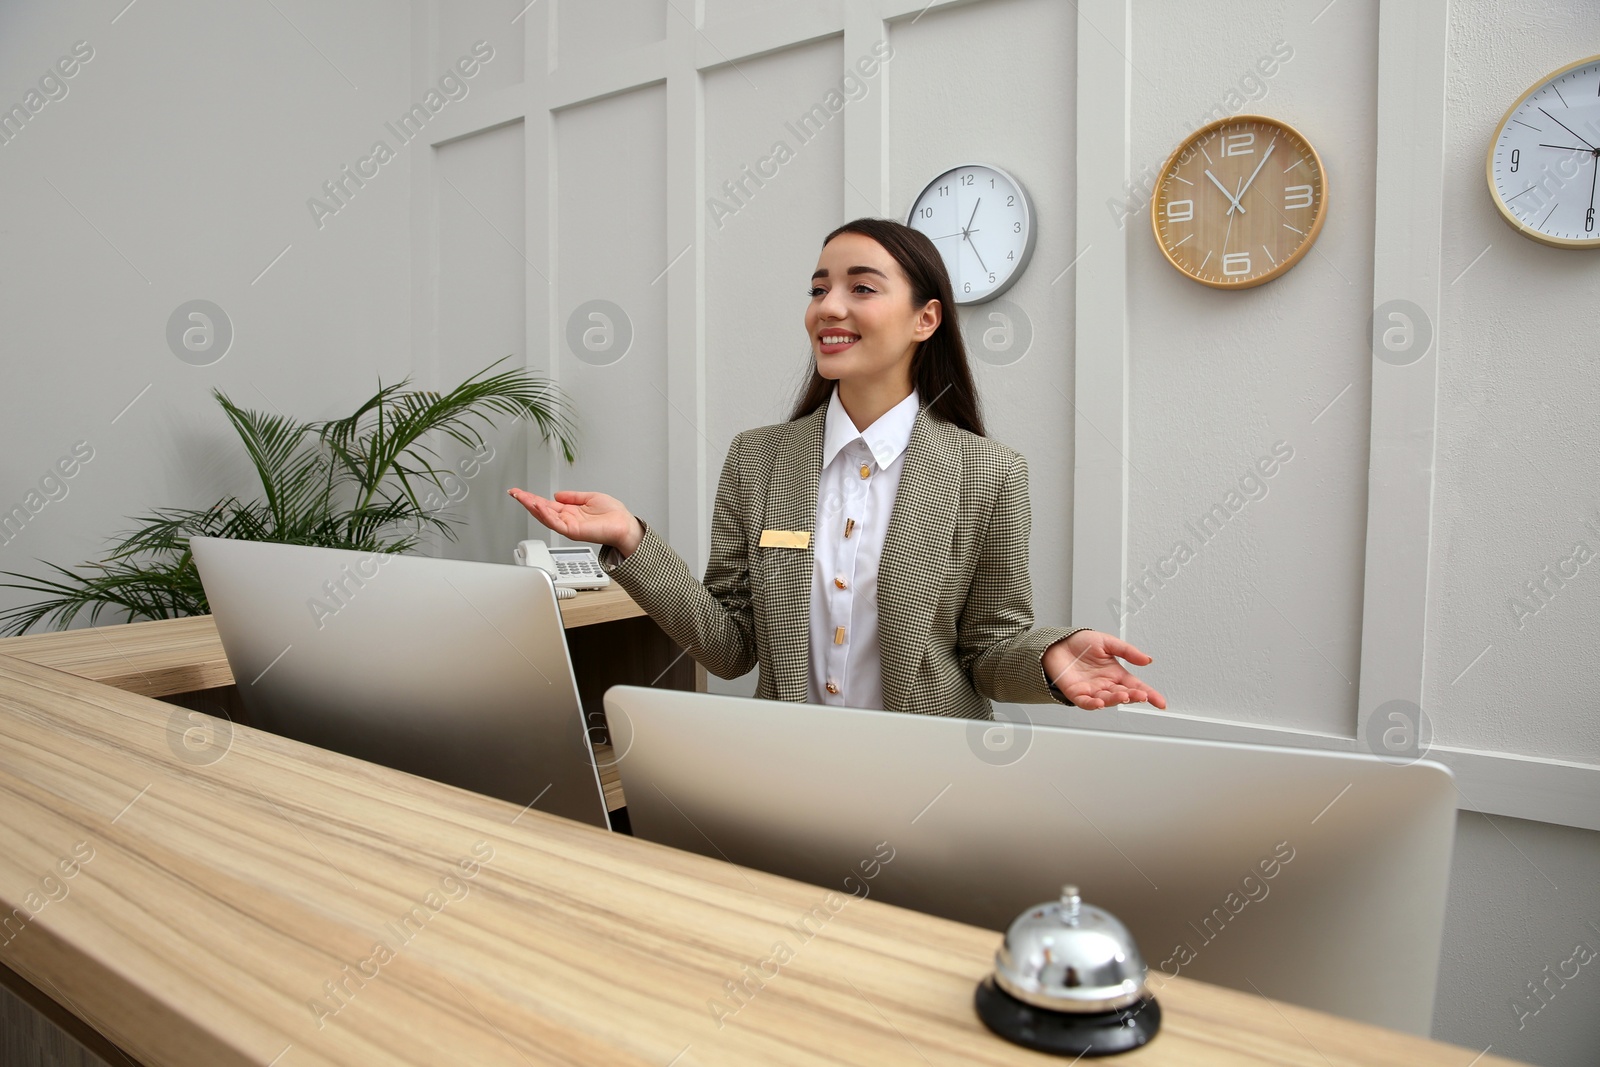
295	477
150	590
344	483
389	427
169	529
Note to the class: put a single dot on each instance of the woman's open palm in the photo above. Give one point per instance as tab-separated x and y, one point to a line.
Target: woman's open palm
1087	670
592	517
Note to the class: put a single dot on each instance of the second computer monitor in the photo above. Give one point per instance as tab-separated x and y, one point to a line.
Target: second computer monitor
1313	877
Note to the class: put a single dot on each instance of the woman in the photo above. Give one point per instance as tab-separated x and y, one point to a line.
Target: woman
876	568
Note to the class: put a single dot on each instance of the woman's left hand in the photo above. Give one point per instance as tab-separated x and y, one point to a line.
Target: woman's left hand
1085	668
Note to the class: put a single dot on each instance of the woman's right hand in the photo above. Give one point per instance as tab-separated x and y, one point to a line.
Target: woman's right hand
592	517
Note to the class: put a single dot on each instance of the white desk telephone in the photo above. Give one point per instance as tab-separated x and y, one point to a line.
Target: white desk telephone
570	568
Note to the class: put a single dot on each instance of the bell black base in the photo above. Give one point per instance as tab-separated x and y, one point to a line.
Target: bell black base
1064	1033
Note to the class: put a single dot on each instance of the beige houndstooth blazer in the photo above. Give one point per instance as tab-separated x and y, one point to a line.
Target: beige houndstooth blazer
955	604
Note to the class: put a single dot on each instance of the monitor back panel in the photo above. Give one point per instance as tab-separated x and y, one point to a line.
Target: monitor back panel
449	669
1317	878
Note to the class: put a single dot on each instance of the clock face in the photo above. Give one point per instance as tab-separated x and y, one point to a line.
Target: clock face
981	222
1239	202
1544	157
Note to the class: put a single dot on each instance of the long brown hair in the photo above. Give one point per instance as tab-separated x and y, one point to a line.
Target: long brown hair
939	366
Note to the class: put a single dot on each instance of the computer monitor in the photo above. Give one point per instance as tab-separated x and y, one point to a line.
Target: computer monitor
1313	877
449	669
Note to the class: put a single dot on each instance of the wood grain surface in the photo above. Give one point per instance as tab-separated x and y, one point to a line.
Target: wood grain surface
233	900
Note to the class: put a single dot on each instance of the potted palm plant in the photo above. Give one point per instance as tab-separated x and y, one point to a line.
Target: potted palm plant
345	483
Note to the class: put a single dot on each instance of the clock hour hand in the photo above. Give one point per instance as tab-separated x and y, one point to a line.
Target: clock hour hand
1232	203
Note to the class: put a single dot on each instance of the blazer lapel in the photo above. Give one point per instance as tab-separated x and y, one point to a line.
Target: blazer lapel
791	504
916	554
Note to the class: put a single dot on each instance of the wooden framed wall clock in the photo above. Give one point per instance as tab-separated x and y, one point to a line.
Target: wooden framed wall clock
1239	202
1544	158
981	221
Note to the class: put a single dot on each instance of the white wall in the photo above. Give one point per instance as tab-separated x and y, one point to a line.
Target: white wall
581	167
610	246
178	167
477	192
1517	430
1219	379
1522	898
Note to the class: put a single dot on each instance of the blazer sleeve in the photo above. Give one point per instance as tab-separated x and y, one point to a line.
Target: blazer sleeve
712	620
996	641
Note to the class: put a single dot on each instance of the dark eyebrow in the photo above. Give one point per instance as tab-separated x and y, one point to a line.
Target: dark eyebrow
823	273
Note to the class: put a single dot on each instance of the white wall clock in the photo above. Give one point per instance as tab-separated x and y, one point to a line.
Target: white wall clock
1545	155
981	221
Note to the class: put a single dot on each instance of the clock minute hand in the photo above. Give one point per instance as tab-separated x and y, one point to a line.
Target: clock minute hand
1264	156
974	246
1594	176
1232	203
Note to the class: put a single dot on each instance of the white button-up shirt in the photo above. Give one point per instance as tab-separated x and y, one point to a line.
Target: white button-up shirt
855	496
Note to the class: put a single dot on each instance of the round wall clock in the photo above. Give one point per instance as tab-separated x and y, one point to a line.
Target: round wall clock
981	221
1544	157
1239	202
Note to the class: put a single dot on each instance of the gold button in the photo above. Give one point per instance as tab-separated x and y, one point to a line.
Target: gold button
838	636
865	470
832	688
849	524
839	582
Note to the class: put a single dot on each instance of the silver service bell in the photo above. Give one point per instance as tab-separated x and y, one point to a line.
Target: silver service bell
1068	979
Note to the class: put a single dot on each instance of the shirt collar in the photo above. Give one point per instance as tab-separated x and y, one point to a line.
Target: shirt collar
886	438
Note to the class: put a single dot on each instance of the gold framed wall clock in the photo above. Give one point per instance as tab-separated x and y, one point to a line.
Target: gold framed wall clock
1239	202
1544	157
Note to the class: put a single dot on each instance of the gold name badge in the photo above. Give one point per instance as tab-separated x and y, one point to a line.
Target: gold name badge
785	538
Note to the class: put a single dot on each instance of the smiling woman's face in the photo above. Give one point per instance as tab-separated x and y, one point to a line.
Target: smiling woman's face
861	320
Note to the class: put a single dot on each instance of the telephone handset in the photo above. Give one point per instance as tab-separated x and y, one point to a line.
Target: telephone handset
570	567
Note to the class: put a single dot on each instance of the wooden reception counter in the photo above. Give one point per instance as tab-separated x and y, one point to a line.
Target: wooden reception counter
278	904
611	641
